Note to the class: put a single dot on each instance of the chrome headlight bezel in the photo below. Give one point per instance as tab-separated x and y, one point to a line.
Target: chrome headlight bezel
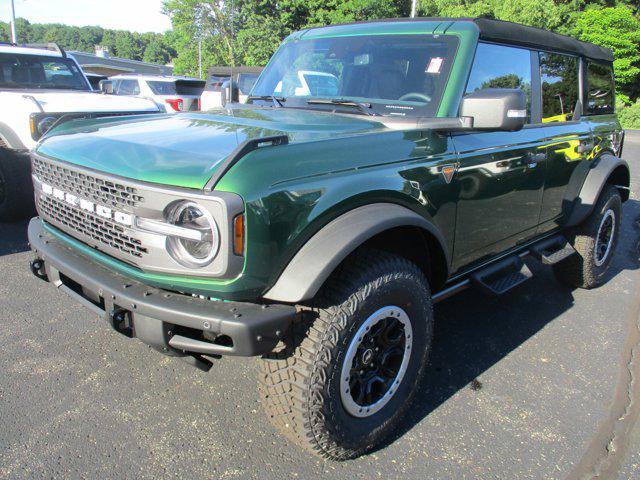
178	243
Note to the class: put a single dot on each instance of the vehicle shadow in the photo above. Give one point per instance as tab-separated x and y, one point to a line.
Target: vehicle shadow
13	237
474	332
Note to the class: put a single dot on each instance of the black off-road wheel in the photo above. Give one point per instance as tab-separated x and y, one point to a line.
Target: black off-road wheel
16	189
595	241
345	376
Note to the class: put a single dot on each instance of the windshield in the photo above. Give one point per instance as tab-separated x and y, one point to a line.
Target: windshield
400	75
40	72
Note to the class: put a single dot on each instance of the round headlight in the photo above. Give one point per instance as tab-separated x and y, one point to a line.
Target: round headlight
199	245
45	124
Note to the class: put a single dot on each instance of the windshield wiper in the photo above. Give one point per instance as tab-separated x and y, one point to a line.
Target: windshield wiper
364	107
277	101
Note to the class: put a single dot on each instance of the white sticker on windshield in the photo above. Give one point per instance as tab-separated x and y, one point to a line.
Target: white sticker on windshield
435	64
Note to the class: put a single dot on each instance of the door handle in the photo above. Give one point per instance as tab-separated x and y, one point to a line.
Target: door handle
534	159
585	147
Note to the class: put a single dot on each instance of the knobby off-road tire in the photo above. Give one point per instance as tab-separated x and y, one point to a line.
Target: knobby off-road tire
301	384
16	189
587	267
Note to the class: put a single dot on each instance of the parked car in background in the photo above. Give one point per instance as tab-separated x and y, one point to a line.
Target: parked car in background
95	79
221	88
174	94
41	86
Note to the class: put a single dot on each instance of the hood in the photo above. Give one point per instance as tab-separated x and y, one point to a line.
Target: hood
72	101
185	149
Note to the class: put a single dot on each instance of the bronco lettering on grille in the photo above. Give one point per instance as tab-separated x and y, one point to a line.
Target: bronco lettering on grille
87	206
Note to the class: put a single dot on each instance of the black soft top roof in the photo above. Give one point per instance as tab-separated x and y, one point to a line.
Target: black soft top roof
514	33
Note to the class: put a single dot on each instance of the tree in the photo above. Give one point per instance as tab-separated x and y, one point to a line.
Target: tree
618	29
156	50
127	45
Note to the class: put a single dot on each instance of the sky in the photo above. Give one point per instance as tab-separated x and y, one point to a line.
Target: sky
135	15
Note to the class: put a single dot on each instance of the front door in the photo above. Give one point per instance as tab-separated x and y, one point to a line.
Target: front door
501	178
501	174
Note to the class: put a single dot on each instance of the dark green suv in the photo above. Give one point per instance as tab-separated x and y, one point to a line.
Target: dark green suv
376	169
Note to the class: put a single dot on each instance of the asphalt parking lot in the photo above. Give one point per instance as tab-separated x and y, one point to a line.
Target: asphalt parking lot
542	383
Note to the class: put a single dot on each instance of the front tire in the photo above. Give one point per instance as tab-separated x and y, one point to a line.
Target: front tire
595	241
349	371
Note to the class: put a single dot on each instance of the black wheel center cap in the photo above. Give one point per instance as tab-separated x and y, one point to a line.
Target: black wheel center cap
367	356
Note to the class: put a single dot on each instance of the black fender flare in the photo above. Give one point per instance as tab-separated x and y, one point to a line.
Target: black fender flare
322	253
596	179
9	137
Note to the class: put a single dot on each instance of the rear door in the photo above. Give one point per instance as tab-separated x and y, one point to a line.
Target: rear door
599	106
569	139
501	174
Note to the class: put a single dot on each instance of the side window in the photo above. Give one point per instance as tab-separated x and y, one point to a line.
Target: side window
498	66
559	79
128	87
600	88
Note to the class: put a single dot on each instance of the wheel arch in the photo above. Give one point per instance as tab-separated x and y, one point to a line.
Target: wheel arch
385	226
9	139
608	170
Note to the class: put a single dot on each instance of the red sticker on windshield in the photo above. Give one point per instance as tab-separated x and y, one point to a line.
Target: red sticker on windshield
435	64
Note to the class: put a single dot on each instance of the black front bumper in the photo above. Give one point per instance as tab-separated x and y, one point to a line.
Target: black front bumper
174	323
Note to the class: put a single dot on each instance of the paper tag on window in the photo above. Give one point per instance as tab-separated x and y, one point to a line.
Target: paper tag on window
435	64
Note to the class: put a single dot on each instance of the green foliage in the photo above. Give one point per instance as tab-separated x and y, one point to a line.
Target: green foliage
153	47
629	116
247	32
618	29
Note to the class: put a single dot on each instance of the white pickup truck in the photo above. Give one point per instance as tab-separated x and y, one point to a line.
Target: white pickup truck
40	86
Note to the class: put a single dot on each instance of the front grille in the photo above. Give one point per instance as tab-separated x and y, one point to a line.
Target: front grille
89	187
101	230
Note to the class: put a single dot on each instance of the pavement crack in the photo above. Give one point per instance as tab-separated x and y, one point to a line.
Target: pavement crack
606	452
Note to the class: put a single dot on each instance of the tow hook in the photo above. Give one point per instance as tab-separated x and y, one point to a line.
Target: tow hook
121	321
37	268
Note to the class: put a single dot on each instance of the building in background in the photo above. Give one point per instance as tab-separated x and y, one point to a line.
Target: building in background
101	63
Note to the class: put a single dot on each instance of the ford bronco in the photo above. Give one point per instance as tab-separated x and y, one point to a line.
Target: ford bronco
316	225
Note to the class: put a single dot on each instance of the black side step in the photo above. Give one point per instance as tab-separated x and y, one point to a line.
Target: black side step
502	276
552	250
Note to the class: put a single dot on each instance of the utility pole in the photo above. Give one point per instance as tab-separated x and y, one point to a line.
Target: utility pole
14	35
200	56
414	6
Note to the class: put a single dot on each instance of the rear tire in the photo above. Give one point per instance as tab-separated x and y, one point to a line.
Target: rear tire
16	188
595	241
345	376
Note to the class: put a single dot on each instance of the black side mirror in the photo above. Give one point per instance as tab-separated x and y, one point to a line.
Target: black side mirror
106	87
499	109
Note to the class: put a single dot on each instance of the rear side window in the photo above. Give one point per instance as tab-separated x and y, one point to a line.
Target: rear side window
498	66
599	95
559	79
128	87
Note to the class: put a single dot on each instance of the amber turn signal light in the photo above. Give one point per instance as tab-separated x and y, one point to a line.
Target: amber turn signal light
238	235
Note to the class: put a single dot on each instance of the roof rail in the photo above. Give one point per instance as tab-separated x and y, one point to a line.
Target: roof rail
44	46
